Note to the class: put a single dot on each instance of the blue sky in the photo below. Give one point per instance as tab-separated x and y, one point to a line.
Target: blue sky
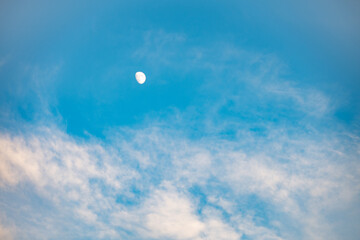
246	128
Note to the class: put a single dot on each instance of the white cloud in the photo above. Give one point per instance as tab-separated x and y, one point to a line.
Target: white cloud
7	231
218	230
165	214
310	101
64	171
216	227
246	226
300	180
171	216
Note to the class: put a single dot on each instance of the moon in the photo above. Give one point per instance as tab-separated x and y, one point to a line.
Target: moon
140	77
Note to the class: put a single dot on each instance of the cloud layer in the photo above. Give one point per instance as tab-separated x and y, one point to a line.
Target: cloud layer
151	184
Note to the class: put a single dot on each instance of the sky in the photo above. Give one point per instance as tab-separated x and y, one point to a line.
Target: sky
247	127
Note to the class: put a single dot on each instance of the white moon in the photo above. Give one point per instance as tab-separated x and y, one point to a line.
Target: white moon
140	77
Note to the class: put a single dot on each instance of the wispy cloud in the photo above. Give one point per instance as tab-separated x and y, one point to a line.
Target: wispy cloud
299	179
232	75
7	228
160	48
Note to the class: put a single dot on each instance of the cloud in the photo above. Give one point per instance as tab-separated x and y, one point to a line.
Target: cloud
216	229
160	47
101	185
170	215
248	228
63	172
232	77
310	101
7	231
